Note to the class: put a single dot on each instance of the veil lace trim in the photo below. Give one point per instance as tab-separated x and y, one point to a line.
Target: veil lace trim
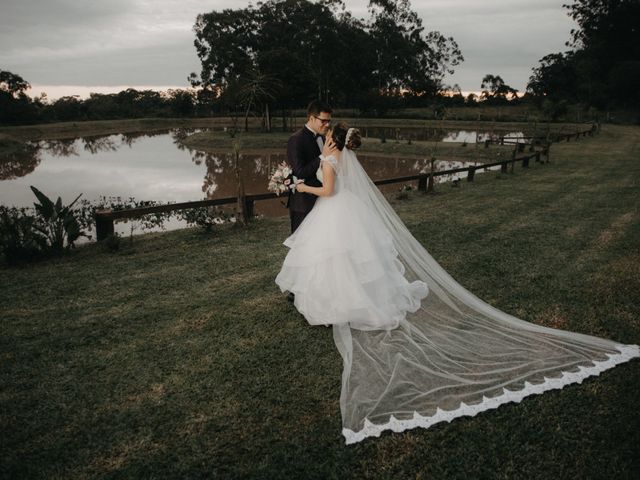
627	352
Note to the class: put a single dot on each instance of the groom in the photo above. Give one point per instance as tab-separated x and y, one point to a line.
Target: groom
303	154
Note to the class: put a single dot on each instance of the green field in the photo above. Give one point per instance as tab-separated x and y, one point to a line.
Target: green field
178	357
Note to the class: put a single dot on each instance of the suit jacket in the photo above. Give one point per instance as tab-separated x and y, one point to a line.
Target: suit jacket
303	154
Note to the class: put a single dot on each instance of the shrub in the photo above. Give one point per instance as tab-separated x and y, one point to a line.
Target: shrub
59	223
21	239
206	217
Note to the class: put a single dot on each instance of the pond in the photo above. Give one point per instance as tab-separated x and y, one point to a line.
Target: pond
436	134
155	166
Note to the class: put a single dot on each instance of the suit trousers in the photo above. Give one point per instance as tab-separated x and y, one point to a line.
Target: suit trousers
296	219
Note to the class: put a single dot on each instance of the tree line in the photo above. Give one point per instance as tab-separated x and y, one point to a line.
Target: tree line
275	56
16	107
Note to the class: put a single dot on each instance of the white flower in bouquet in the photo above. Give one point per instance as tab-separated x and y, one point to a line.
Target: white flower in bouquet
282	180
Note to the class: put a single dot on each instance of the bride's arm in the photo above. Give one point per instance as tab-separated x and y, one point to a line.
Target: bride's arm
328	181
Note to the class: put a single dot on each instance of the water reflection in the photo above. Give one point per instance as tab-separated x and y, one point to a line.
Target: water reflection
105	143
19	163
156	166
465	136
220	180
435	134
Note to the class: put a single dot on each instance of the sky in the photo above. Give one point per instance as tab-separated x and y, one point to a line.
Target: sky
66	47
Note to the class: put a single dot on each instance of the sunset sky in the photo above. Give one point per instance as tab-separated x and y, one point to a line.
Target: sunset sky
66	47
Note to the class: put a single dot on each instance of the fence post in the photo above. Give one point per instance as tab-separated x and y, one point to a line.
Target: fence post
546	151
525	162
472	172
503	168
422	183
104	224
247	211
432	170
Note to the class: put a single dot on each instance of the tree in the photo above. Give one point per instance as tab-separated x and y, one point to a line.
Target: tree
304	60
554	78
327	59
182	103
318	50
494	90
100	106
68	108
471	100
609	28
225	43
406	57
455	97
604	61
13	84
257	91
15	105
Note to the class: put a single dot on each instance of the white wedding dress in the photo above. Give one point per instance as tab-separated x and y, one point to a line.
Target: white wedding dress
418	348
343	266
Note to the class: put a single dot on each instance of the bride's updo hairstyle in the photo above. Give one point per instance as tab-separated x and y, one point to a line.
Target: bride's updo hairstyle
340	133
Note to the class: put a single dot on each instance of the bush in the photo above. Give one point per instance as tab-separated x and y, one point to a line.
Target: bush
403	193
28	234
57	222
21	239
206	217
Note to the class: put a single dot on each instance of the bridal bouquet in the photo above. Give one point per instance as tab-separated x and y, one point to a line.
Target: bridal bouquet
282	180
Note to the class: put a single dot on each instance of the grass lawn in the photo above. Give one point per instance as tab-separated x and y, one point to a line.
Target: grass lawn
178	357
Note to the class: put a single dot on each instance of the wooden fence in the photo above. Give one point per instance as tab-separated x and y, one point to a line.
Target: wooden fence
542	139
104	218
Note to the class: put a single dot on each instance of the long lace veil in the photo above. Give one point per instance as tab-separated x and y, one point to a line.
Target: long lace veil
456	355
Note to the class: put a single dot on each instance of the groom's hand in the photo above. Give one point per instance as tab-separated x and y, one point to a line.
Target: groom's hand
329	148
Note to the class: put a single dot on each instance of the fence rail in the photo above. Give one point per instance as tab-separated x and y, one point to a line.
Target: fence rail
541	139
105	218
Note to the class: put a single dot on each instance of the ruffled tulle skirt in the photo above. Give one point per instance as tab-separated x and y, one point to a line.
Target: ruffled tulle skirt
343	268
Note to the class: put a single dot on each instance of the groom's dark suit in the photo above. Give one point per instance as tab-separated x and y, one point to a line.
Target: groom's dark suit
303	154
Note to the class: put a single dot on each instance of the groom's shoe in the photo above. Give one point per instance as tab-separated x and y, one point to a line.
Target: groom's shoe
291	297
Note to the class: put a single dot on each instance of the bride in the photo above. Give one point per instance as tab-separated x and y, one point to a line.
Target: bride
342	266
418	348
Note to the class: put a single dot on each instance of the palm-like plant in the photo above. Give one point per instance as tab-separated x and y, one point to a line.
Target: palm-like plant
258	89
59	222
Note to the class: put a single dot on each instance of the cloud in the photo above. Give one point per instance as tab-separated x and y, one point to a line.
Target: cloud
502	38
104	43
